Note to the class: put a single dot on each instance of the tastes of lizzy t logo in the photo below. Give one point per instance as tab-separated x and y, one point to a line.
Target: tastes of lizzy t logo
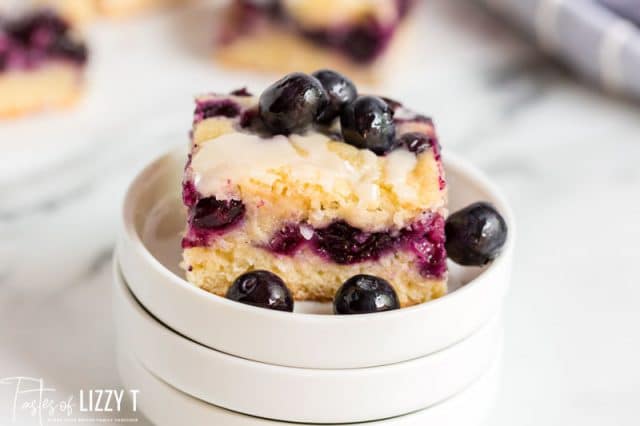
33	402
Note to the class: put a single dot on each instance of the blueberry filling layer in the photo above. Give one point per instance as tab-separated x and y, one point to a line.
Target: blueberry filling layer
27	42
345	244
339	242
363	41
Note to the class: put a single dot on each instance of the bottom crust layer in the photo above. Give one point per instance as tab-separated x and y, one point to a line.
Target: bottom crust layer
307	275
53	86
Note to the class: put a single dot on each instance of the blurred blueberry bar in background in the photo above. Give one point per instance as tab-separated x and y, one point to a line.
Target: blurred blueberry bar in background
356	37
626	8
597	38
42	63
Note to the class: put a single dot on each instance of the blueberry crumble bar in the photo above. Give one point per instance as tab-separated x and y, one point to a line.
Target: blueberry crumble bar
42	63
317	185
354	36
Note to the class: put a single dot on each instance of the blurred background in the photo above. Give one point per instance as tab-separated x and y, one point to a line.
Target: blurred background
541	95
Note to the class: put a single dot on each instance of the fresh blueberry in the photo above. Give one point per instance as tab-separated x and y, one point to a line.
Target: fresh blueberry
363	294
416	142
340	90
211	213
292	103
367	123
263	289
475	235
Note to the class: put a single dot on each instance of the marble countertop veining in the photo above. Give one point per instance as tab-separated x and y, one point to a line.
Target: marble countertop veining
566	155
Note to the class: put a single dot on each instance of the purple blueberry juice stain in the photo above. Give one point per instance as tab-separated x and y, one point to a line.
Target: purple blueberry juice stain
216	108
426	239
344	244
189	193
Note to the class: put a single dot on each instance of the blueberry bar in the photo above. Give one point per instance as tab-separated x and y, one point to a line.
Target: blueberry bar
316	184
41	63
356	37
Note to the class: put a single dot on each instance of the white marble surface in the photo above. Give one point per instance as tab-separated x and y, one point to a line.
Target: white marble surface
566	155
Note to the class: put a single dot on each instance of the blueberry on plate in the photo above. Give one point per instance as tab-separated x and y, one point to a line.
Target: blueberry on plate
263	289
364	294
341	91
292	103
367	123
475	235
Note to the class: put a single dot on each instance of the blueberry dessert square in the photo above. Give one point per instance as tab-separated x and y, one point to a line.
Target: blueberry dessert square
42	63
356	37
315	184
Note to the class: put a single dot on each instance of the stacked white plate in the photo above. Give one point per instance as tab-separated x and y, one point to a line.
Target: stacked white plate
198	358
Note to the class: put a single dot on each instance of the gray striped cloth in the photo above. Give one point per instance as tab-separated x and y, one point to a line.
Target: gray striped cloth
599	38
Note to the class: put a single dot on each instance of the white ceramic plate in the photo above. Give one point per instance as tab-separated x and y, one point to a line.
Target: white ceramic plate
164	405
297	394
149	253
